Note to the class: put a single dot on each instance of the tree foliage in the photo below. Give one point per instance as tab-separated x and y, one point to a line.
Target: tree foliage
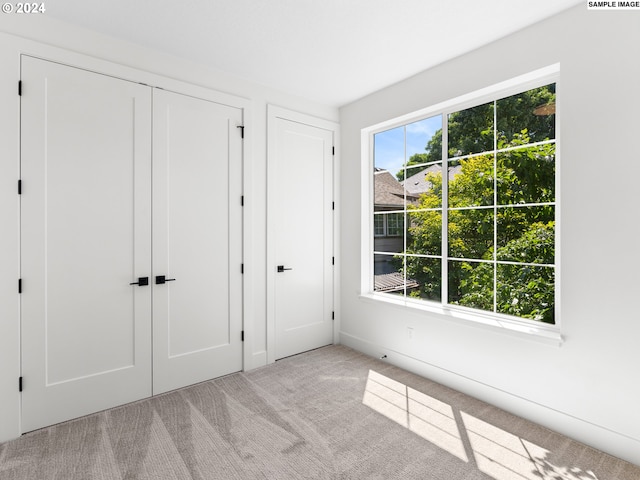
501	216
472	130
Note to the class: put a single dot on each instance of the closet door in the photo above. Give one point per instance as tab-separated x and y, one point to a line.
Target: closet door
86	237
197	240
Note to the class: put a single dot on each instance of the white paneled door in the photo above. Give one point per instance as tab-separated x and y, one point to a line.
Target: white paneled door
130	241
86	236
197	228
302	235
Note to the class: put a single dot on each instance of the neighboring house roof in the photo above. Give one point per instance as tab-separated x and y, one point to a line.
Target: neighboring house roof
389	192
417	183
392	282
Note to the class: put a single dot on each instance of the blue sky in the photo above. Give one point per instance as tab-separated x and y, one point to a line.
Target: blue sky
389	146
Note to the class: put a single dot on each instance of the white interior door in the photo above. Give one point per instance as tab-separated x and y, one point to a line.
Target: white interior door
301	194
86	235
197	238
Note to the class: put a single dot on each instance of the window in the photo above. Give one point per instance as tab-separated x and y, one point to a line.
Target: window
388	224
470	192
378	226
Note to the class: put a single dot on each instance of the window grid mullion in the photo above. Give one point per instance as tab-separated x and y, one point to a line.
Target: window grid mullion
404	216
495	205
502	150
444	253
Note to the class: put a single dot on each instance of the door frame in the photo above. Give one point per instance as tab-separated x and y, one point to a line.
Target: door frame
274	113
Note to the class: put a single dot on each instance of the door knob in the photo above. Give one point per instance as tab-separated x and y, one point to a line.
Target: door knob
161	279
142	281
282	269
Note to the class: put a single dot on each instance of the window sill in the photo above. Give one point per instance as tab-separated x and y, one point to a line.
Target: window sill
547	334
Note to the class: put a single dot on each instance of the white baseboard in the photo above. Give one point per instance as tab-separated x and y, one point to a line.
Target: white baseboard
609	441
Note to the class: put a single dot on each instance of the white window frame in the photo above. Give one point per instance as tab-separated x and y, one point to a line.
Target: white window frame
532	329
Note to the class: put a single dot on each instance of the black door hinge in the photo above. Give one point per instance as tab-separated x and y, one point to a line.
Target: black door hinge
19	187
333	150
19	384
242	201
20	87
333	260
241	127
333	315
19	285
333	205
242	268
242	335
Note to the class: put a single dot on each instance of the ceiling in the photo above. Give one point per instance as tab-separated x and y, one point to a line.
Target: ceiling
329	51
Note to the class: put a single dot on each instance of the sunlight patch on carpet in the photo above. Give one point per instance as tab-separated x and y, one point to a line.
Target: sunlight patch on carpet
496	452
425	416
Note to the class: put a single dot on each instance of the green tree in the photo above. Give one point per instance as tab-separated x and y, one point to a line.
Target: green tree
524	233
415	159
471	130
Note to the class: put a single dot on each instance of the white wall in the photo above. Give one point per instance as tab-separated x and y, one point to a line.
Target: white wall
588	387
54	40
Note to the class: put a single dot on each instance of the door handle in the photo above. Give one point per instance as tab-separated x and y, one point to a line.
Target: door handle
282	269
161	279
142	281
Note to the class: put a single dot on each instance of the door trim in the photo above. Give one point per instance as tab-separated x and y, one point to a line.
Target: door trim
274	113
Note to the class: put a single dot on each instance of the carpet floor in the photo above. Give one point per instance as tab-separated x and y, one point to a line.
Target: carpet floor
331	413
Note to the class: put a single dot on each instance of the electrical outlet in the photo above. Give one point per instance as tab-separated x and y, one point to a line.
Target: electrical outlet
410	333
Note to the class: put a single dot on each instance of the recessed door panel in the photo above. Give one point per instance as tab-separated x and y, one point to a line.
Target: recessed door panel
197	240
86	233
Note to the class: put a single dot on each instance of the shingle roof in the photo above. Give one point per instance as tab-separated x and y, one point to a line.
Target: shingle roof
417	183
388	191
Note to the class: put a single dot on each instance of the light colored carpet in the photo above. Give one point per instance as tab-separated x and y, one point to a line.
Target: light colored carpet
332	413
